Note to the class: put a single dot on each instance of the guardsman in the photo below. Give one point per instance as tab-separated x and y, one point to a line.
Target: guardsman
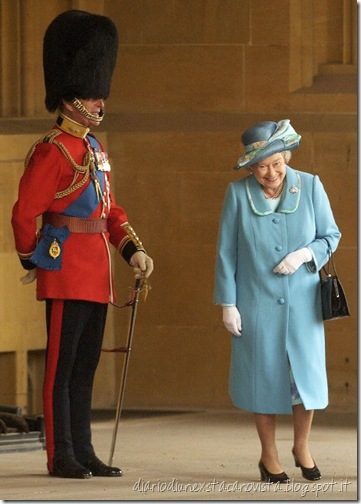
66	183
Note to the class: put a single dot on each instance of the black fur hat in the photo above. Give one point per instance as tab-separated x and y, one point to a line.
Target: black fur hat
79	56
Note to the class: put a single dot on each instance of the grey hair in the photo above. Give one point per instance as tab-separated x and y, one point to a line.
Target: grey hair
287	154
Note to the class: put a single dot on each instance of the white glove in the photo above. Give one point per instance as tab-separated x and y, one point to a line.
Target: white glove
293	261
142	265
29	277
232	320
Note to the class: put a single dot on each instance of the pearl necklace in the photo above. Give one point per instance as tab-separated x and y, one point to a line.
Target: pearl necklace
278	193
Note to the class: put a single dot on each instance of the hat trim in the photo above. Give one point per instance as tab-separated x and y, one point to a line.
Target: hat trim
256	145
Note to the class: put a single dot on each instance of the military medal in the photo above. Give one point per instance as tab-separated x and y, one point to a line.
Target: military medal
102	161
54	250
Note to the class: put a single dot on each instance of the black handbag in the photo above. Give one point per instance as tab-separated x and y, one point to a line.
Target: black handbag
334	301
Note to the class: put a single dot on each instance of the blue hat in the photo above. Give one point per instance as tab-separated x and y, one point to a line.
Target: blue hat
265	139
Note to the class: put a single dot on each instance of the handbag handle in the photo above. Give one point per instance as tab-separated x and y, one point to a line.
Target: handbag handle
326	267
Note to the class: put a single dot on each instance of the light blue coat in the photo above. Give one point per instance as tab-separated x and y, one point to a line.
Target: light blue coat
281	314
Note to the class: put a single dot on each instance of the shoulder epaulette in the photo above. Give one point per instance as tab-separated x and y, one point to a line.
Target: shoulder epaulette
49	137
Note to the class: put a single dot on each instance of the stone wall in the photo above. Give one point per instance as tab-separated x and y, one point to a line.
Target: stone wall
191	76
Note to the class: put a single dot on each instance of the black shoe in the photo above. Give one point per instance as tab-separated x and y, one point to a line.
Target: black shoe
98	468
68	467
309	473
270	477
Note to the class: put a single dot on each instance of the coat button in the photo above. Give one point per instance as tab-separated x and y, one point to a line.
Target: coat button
276	220
279	248
281	301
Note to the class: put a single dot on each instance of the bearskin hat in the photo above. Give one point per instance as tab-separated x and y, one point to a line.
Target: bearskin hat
79	56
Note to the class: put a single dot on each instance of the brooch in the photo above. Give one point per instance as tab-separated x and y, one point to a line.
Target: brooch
294	190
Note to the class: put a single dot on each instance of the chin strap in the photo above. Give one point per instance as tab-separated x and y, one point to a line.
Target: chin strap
85	112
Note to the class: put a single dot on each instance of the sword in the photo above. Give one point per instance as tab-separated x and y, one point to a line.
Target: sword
134	304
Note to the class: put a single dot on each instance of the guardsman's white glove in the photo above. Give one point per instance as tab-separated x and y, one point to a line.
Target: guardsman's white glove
293	261
232	320
29	277
142	264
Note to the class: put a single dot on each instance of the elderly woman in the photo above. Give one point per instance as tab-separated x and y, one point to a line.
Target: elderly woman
273	236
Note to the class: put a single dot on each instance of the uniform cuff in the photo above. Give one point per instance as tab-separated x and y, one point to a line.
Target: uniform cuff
128	250
27	264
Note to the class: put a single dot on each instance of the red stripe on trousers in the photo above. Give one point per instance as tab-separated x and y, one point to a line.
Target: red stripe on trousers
54	338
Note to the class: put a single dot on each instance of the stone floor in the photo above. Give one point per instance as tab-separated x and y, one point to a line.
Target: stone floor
201	455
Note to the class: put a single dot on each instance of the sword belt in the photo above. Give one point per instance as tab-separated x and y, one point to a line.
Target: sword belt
76	224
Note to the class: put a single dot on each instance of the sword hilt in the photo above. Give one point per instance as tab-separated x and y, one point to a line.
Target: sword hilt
142	285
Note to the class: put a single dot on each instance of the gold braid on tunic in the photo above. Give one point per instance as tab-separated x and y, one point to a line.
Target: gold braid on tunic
88	163
130	236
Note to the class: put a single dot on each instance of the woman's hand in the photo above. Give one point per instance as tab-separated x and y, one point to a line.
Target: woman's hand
293	261
232	320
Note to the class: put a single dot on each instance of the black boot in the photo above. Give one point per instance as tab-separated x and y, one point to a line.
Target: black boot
68	467
98	468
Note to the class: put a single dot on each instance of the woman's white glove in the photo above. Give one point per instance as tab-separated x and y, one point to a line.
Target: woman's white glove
29	277
293	261
142	264
232	320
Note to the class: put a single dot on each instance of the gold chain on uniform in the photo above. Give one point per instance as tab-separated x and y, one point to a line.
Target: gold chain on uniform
79	169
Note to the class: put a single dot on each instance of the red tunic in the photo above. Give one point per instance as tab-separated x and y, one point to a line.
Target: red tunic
50	183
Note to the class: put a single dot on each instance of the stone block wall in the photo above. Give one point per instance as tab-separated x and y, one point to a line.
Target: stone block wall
191	76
